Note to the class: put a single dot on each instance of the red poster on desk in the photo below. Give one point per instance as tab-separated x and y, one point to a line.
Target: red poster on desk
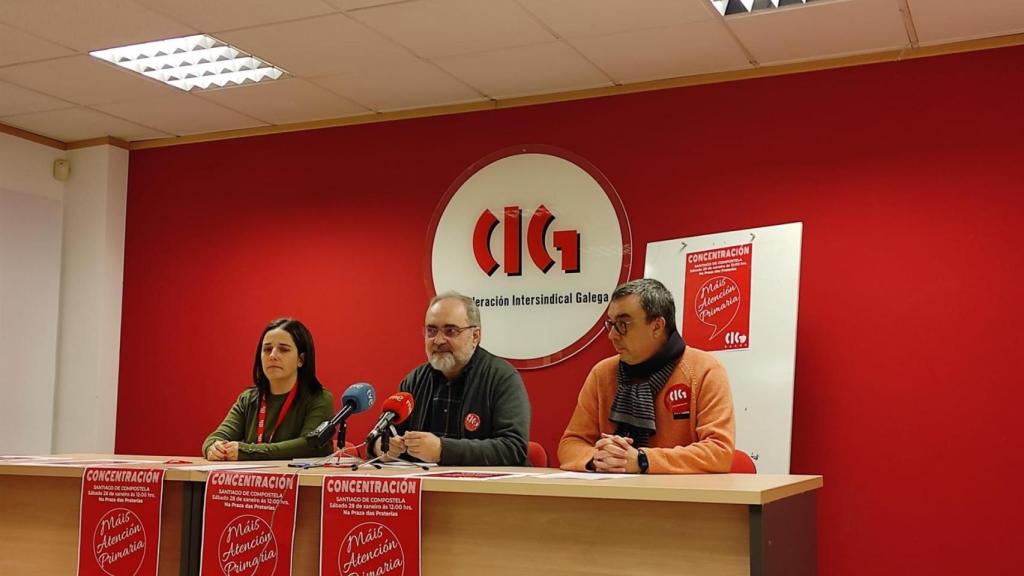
370	525
716	303
249	524
119	526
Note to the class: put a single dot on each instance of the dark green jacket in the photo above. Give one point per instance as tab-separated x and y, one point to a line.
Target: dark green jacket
494	392
306	413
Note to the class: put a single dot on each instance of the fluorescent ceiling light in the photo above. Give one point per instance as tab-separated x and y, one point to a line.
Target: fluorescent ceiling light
193	62
730	7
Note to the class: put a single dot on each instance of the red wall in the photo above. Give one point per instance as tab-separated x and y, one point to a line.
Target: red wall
907	177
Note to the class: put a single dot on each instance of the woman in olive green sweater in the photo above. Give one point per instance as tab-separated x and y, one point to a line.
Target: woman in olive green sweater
269	421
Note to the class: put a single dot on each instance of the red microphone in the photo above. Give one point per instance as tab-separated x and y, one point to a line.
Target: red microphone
395	410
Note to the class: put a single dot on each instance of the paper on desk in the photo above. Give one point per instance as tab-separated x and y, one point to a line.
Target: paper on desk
342	461
587	476
97	462
33	460
229	466
471	475
407	464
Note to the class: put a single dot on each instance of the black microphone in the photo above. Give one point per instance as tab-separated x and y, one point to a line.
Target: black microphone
357	398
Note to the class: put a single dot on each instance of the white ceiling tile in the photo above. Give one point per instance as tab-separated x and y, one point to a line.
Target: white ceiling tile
681	50
438	28
72	124
357	4
318	46
951	20
17	100
17	46
285	101
575	18
92	24
372	54
180	114
417	84
821	30
524	70
207	16
83	80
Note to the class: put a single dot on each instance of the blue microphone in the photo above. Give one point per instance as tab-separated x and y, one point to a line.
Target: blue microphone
357	398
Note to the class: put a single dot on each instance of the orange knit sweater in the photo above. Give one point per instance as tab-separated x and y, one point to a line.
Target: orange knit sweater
703	442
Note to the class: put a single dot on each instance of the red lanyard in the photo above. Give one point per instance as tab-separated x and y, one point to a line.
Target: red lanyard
280	415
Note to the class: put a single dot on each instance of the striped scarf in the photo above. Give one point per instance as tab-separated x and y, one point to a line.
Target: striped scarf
633	406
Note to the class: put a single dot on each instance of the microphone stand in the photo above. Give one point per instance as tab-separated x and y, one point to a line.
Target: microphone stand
385	439
342	431
373	462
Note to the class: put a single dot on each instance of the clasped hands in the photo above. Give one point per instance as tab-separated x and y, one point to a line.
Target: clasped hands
223	450
615	454
421	445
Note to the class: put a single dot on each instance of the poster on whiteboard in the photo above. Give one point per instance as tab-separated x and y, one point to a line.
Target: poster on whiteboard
716	303
743	309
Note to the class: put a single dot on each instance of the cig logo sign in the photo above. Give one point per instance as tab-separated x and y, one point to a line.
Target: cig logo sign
567	242
539	237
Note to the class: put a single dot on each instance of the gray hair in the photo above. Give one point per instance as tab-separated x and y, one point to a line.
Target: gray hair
655	299
472	312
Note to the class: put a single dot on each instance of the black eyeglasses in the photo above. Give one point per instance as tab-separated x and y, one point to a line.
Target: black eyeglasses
449	332
620	326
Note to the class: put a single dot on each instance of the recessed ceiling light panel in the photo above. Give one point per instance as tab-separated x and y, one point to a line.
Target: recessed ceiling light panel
731	7
197	62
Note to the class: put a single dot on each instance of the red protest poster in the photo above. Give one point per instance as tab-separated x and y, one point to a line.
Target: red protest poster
249	524
716	305
370	525
119	527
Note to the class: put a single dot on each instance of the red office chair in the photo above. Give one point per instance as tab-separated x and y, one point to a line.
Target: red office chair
742	463
537	456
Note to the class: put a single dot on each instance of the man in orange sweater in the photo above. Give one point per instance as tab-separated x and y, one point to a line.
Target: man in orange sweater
657	407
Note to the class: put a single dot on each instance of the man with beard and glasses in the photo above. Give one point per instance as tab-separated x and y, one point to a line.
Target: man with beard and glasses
657	407
470	406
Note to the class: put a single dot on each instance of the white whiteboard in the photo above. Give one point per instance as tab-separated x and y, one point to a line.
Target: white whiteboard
761	375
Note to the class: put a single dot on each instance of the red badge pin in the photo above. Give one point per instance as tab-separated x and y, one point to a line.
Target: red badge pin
677	400
472	422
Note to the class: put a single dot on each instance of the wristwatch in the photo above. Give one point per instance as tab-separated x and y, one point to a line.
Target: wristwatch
641	460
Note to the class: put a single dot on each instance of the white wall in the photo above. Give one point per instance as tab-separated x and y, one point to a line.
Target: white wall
27	167
30	244
61	263
90	292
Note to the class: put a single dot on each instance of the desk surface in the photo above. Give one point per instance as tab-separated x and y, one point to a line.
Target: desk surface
753	489
713	524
